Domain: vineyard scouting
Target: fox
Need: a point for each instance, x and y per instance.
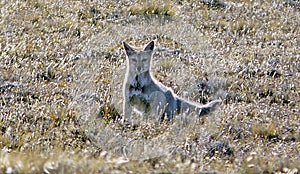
(149, 97)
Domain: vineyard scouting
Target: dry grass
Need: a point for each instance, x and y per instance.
(61, 71)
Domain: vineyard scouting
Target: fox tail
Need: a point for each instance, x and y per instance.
(189, 107)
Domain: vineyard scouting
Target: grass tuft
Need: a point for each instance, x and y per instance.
(153, 8)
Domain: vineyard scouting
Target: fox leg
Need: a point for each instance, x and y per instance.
(126, 107)
(126, 112)
(158, 104)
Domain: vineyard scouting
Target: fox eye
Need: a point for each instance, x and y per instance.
(144, 60)
(134, 60)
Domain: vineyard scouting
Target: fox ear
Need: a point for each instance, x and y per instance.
(128, 49)
(150, 46)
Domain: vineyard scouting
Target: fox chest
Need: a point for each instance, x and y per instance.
(139, 95)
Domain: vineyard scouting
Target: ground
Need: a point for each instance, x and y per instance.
(61, 70)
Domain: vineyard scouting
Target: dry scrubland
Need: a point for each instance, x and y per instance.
(62, 65)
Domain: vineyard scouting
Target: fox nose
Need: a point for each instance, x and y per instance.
(139, 68)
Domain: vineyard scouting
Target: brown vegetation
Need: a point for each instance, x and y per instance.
(62, 66)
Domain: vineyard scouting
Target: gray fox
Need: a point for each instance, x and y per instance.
(147, 95)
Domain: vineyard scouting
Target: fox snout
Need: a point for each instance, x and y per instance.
(139, 69)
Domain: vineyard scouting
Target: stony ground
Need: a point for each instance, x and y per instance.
(62, 67)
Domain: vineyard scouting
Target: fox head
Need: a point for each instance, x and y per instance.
(139, 61)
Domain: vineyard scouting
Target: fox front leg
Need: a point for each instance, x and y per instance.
(126, 110)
